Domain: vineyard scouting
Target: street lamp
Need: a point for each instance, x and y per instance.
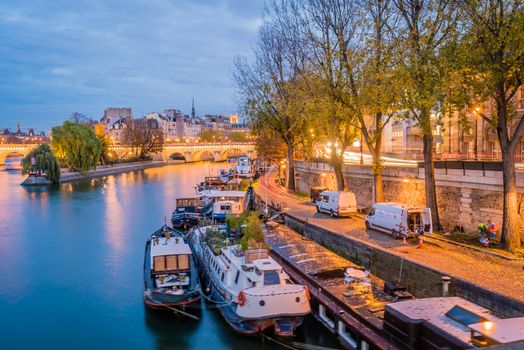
(476, 112)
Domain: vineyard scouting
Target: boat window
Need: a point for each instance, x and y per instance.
(271, 277)
(225, 207)
(463, 316)
(171, 262)
(222, 277)
(183, 262)
(325, 199)
(236, 277)
(160, 263)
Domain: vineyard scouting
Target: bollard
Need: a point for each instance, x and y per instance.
(446, 280)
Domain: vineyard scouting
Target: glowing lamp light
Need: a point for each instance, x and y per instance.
(356, 143)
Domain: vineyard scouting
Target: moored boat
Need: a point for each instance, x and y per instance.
(187, 213)
(13, 163)
(170, 273)
(253, 290)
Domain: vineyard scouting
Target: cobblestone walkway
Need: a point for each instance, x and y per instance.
(497, 274)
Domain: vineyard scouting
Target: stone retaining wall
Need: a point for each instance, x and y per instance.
(419, 279)
(465, 197)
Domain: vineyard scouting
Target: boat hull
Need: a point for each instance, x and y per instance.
(160, 300)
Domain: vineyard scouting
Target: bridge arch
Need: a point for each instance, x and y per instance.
(204, 154)
(178, 156)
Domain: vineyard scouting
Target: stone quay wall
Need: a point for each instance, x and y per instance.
(465, 197)
(420, 279)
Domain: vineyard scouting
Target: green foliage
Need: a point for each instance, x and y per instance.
(211, 136)
(76, 146)
(236, 136)
(244, 184)
(251, 227)
(45, 163)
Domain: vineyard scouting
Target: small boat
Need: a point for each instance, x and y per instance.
(225, 203)
(13, 163)
(170, 274)
(244, 168)
(253, 290)
(187, 213)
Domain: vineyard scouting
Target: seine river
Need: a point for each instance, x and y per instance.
(71, 267)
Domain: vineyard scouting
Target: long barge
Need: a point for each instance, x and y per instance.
(385, 317)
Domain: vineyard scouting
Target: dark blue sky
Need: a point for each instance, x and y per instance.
(62, 56)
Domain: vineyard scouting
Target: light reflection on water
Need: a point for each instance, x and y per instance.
(71, 265)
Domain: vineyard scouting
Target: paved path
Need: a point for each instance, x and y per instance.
(500, 275)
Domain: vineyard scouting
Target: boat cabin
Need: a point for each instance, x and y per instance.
(169, 256)
(449, 322)
(225, 202)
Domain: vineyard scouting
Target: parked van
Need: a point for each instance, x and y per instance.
(399, 220)
(337, 203)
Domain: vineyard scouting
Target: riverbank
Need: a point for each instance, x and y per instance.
(495, 283)
(100, 171)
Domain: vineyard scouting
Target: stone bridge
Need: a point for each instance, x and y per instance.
(182, 151)
(194, 152)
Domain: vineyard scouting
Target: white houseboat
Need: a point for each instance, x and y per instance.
(253, 290)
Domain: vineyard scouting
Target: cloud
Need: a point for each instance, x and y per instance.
(59, 56)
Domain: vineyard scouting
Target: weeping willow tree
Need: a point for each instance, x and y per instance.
(76, 146)
(44, 163)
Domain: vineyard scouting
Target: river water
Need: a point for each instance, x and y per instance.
(71, 267)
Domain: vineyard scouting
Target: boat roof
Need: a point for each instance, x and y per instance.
(433, 311)
(502, 331)
(218, 193)
(266, 264)
(169, 246)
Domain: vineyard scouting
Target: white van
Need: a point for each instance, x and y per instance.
(337, 203)
(399, 220)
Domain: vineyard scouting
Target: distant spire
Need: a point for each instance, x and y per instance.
(193, 114)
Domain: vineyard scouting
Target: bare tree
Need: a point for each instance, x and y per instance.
(265, 86)
(81, 118)
(144, 136)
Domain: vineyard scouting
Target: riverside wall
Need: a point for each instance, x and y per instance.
(465, 196)
(419, 279)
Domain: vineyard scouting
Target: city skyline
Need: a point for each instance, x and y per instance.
(55, 61)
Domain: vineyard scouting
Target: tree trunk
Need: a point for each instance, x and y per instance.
(377, 179)
(290, 174)
(429, 174)
(336, 163)
(339, 175)
(510, 215)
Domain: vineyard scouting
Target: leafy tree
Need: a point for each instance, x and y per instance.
(425, 26)
(210, 135)
(490, 68)
(44, 163)
(76, 146)
(237, 136)
(380, 89)
(270, 147)
(145, 137)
